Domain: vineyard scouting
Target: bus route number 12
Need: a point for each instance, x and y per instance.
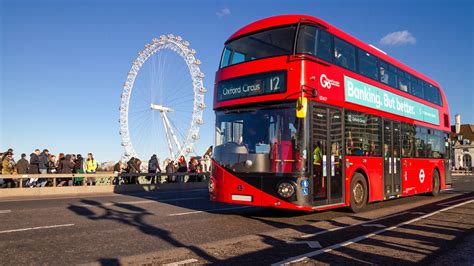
(274, 83)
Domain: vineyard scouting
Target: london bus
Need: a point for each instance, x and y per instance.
(310, 118)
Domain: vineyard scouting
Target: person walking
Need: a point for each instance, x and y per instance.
(170, 170)
(182, 168)
(91, 168)
(22, 165)
(118, 168)
(66, 165)
(78, 169)
(7, 169)
(34, 168)
(52, 165)
(43, 167)
(132, 168)
(154, 168)
(206, 163)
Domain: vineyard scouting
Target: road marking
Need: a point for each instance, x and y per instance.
(140, 202)
(374, 225)
(453, 201)
(363, 237)
(352, 225)
(35, 228)
(181, 262)
(417, 212)
(105, 195)
(210, 210)
(5, 211)
(311, 244)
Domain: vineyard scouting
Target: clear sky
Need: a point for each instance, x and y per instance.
(63, 63)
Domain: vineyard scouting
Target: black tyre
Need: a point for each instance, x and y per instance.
(436, 184)
(359, 192)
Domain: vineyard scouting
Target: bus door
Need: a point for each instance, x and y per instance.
(392, 158)
(326, 155)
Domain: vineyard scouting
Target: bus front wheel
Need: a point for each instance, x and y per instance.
(436, 185)
(359, 193)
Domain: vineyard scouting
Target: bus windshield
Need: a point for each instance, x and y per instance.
(268, 139)
(269, 43)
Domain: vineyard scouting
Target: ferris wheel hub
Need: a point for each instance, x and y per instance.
(160, 108)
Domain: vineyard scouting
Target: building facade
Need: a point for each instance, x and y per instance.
(462, 139)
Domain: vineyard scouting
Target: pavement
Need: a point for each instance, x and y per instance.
(184, 227)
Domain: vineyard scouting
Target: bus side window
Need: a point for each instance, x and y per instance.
(420, 142)
(408, 139)
(324, 46)
(344, 54)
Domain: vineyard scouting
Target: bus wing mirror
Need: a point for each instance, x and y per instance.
(301, 107)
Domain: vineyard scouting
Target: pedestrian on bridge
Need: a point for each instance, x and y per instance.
(91, 168)
(34, 167)
(22, 165)
(7, 169)
(78, 169)
(154, 168)
(66, 165)
(43, 166)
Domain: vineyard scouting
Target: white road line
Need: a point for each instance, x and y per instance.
(210, 210)
(105, 195)
(5, 211)
(453, 201)
(360, 238)
(181, 262)
(352, 225)
(374, 225)
(140, 202)
(35, 228)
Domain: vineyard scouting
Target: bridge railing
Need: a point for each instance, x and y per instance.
(459, 172)
(113, 179)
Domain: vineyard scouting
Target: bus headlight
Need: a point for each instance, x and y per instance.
(286, 190)
(211, 186)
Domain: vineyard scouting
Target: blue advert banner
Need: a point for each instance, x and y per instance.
(367, 95)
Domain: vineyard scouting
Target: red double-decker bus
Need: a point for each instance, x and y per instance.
(310, 118)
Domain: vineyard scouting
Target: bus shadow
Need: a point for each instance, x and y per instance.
(378, 250)
(133, 216)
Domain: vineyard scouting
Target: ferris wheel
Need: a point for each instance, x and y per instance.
(161, 110)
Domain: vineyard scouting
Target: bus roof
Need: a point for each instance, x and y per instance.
(281, 20)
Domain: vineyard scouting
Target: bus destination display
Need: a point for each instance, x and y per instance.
(252, 85)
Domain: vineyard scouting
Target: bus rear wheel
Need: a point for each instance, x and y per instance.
(359, 193)
(436, 184)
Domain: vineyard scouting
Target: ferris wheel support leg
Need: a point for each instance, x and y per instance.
(172, 132)
(168, 138)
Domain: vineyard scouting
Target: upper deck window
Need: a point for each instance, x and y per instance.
(367, 64)
(344, 54)
(269, 43)
(314, 41)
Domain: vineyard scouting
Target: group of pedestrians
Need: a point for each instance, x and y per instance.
(43, 162)
(173, 171)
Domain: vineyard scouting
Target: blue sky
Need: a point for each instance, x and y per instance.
(63, 63)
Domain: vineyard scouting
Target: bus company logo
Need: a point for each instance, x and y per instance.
(327, 83)
(422, 176)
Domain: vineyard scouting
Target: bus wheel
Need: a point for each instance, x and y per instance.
(435, 188)
(358, 192)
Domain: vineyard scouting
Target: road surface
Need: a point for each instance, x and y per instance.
(184, 227)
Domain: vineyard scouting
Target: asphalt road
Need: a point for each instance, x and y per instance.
(184, 227)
